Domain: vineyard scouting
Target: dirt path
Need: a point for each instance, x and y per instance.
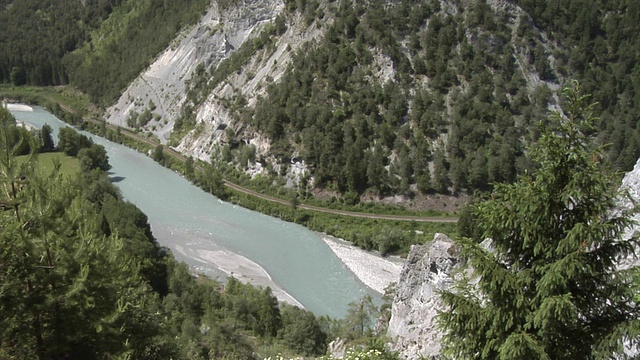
(169, 151)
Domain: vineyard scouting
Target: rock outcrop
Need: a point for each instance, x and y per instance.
(428, 269)
(630, 188)
(166, 81)
(432, 267)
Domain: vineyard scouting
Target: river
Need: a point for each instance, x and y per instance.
(217, 238)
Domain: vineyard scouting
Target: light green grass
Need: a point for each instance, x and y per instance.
(69, 166)
(47, 95)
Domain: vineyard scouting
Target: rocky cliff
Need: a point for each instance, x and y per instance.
(163, 86)
(413, 327)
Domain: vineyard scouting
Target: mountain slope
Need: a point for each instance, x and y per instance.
(365, 98)
(438, 103)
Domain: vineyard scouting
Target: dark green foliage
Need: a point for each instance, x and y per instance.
(158, 154)
(602, 43)
(359, 132)
(36, 34)
(93, 157)
(16, 138)
(257, 308)
(46, 139)
(68, 288)
(57, 42)
(211, 181)
(71, 142)
(18, 76)
(467, 87)
(550, 288)
(82, 277)
(302, 331)
(213, 321)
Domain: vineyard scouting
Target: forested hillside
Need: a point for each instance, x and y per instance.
(36, 35)
(406, 97)
(601, 48)
(468, 84)
(98, 45)
(426, 96)
(410, 94)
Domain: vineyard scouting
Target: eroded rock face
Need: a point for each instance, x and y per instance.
(413, 327)
(166, 81)
(631, 187)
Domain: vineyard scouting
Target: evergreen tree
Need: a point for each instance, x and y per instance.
(94, 157)
(549, 288)
(158, 154)
(302, 331)
(360, 317)
(46, 139)
(440, 173)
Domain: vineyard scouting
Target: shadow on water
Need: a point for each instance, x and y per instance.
(116, 179)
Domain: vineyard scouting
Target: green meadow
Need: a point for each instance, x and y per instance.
(69, 166)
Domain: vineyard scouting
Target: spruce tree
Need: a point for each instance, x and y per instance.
(549, 285)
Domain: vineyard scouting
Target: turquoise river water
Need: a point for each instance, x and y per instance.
(198, 227)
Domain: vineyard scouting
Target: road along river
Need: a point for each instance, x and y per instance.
(219, 239)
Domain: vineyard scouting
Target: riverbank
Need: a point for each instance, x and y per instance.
(207, 234)
(241, 268)
(372, 271)
(375, 271)
(19, 107)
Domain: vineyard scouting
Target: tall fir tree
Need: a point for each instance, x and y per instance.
(550, 286)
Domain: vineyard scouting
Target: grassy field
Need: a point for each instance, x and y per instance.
(62, 94)
(69, 166)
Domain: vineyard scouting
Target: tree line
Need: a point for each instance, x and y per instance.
(100, 46)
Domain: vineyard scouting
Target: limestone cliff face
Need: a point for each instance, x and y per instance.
(631, 188)
(163, 87)
(413, 327)
(166, 81)
(266, 66)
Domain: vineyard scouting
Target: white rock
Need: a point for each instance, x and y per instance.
(413, 326)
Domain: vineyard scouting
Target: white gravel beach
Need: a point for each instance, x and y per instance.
(240, 268)
(373, 270)
(19, 107)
